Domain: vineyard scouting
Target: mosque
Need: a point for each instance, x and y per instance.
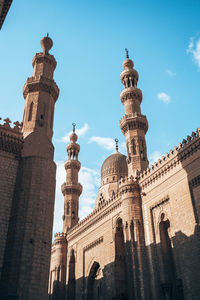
(142, 239)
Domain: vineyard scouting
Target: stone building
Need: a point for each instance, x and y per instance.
(142, 239)
(27, 185)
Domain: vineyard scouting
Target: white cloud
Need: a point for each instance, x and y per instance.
(164, 97)
(171, 73)
(194, 49)
(80, 132)
(90, 181)
(106, 143)
(153, 157)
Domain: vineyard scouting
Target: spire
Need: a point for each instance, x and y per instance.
(116, 144)
(127, 56)
(134, 125)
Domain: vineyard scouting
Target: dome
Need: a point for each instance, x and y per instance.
(113, 168)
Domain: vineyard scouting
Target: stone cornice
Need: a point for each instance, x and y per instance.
(41, 83)
(181, 153)
(134, 121)
(131, 93)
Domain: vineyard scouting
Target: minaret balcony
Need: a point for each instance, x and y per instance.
(131, 93)
(73, 188)
(41, 83)
(133, 121)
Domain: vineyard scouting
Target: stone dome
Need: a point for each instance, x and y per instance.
(114, 167)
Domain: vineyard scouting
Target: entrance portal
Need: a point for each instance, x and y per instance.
(94, 287)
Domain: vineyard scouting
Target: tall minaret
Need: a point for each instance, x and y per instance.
(28, 246)
(71, 189)
(134, 125)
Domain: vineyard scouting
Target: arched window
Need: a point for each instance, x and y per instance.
(67, 208)
(71, 281)
(120, 264)
(30, 112)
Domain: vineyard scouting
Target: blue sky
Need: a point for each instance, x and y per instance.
(163, 38)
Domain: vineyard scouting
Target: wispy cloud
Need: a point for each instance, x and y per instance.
(171, 73)
(90, 180)
(164, 97)
(108, 143)
(80, 132)
(194, 49)
(104, 142)
(154, 156)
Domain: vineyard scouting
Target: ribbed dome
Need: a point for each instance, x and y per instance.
(114, 167)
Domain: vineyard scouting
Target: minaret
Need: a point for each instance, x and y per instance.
(71, 189)
(28, 248)
(134, 125)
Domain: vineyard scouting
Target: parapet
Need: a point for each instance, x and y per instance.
(11, 138)
(179, 153)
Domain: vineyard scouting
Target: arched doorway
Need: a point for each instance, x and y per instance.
(94, 286)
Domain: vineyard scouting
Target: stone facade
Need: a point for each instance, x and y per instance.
(142, 240)
(27, 185)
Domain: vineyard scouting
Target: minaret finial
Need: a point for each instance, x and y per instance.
(116, 146)
(127, 56)
(74, 126)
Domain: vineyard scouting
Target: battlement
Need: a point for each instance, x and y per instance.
(11, 138)
(59, 238)
(180, 152)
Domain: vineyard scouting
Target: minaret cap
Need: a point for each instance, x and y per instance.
(128, 63)
(73, 137)
(46, 44)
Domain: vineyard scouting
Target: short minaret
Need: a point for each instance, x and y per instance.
(134, 125)
(71, 189)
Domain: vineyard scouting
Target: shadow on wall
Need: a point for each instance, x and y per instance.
(174, 270)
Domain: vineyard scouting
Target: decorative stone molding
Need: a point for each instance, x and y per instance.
(41, 83)
(93, 244)
(170, 160)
